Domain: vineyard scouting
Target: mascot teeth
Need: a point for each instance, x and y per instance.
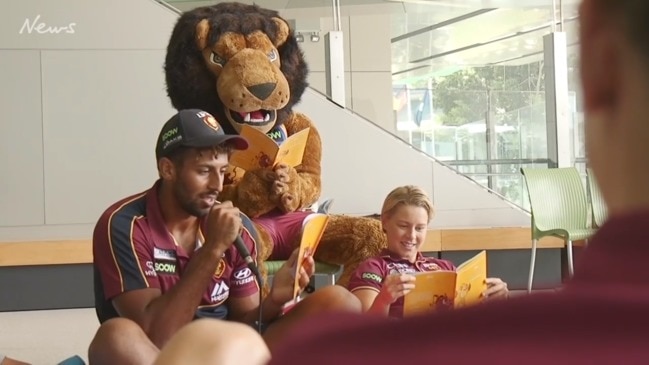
(257, 116)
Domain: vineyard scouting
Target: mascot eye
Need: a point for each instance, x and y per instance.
(272, 55)
(216, 59)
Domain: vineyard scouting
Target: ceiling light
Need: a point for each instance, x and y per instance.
(299, 37)
(315, 37)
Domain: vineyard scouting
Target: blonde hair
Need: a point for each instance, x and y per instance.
(407, 195)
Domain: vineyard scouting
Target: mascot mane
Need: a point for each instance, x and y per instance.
(192, 81)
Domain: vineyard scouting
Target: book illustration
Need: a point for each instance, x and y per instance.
(312, 229)
(439, 290)
(471, 280)
(233, 175)
(264, 152)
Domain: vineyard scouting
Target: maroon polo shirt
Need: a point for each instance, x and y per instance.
(371, 273)
(133, 250)
(601, 316)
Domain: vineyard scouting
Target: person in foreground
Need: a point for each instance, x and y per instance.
(164, 257)
(601, 316)
(381, 282)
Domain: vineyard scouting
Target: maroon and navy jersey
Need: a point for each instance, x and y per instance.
(371, 273)
(133, 249)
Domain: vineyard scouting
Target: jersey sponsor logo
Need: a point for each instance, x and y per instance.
(160, 254)
(430, 266)
(397, 265)
(401, 268)
(164, 267)
(243, 274)
(220, 268)
(150, 269)
(277, 134)
(372, 276)
(244, 281)
(220, 292)
(164, 261)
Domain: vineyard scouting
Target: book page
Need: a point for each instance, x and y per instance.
(434, 290)
(261, 152)
(312, 229)
(471, 280)
(291, 150)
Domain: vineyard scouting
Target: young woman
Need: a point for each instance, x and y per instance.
(381, 282)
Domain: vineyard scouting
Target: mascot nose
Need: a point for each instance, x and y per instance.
(262, 91)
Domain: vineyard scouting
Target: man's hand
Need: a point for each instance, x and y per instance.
(223, 226)
(283, 281)
(496, 289)
(394, 287)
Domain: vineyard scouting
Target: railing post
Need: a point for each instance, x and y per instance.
(335, 59)
(555, 52)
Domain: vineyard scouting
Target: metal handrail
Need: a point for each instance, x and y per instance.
(497, 162)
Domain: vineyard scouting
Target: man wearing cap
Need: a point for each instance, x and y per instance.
(164, 257)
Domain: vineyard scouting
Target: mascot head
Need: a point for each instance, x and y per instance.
(239, 62)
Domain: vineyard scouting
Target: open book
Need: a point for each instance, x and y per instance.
(437, 290)
(312, 229)
(264, 152)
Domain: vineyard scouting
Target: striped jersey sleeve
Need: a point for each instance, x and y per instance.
(368, 275)
(120, 248)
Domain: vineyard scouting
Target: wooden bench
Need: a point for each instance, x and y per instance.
(65, 252)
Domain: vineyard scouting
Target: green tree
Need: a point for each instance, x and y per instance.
(467, 95)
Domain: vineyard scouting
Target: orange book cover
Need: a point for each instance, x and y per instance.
(312, 229)
(436, 290)
(264, 152)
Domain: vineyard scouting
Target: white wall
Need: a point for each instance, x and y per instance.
(367, 52)
(81, 111)
(82, 97)
(368, 75)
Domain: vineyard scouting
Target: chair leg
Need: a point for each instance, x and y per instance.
(333, 279)
(570, 264)
(530, 279)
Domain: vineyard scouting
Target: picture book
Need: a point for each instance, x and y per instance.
(435, 290)
(312, 229)
(264, 152)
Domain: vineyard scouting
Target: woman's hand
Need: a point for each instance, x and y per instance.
(496, 289)
(394, 287)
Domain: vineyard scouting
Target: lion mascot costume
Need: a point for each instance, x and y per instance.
(242, 64)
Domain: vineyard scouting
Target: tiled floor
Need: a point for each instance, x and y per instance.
(47, 337)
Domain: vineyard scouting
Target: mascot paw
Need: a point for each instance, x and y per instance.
(279, 189)
(283, 172)
(289, 203)
(284, 187)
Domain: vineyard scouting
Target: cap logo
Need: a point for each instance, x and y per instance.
(169, 134)
(209, 120)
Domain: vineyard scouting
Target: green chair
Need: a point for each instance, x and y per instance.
(598, 207)
(559, 208)
(321, 268)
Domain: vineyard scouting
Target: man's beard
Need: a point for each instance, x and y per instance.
(190, 206)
